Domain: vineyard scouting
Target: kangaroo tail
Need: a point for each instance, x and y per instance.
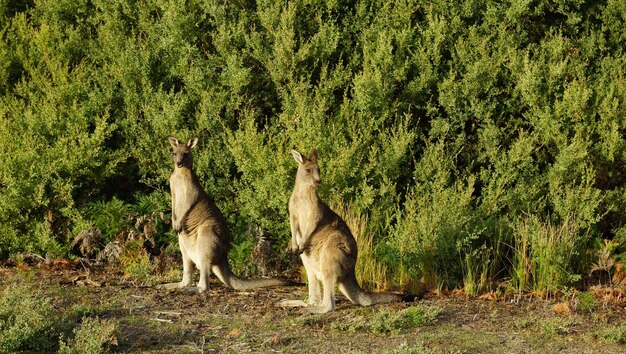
(351, 289)
(226, 275)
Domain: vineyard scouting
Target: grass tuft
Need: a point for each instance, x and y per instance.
(543, 253)
(389, 320)
(401, 321)
(370, 272)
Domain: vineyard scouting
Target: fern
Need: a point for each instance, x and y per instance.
(111, 217)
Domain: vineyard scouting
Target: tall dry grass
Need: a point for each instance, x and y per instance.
(543, 254)
(370, 272)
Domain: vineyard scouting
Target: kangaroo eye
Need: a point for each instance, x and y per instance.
(308, 170)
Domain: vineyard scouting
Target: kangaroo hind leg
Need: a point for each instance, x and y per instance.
(187, 274)
(329, 282)
(315, 292)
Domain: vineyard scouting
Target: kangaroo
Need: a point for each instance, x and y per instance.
(203, 236)
(326, 246)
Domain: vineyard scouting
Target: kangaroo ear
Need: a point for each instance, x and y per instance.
(297, 156)
(192, 142)
(173, 141)
(313, 155)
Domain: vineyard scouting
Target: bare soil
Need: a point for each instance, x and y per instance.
(223, 320)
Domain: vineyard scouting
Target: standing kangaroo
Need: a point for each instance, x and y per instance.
(203, 236)
(325, 243)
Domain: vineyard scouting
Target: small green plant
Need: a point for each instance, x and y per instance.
(387, 320)
(616, 335)
(351, 324)
(482, 257)
(311, 321)
(606, 258)
(415, 349)
(478, 265)
(399, 321)
(557, 327)
(522, 264)
(136, 262)
(27, 321)
(80, 310)
(240, 259)
(586, 302)
(524, 323)
(93, 336)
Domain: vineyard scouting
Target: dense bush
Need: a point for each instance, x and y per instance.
(29, 322)
(26, 321)
(94, 335)
(453, 126)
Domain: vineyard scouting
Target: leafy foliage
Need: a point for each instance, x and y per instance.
(92, 336)
(445, 124)
(29, 322)
(26, 321)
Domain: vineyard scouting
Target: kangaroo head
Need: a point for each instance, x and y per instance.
(308, 170)
(181, 153)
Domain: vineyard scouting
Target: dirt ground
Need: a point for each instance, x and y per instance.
(223, 320)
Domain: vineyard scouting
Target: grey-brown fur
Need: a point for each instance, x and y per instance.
(203, 234)
(328, 249)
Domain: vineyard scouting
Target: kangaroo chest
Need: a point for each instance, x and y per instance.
(307, 212)
(184, 192)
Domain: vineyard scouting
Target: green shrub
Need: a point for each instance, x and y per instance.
(437, 220)
(27, 321)
(94, 335)
(434, 119)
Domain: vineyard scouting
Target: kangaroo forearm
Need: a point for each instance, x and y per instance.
(303, 242)
(294, 236)
(294, 233)
(181, 216)
(174, 213)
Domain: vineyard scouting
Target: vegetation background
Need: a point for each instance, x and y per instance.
(472, 142)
